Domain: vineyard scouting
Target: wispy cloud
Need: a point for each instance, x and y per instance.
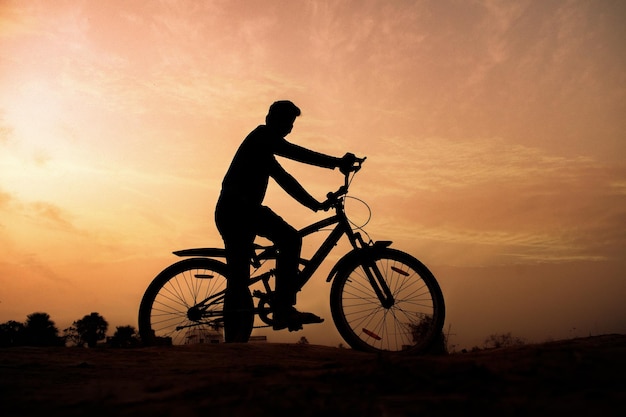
(5, 199)
(40, 214)
(52, 215)
(5, 130)
(520, 202)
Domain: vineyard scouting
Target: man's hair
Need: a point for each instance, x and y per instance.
(281, 112)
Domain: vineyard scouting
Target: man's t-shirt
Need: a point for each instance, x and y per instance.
(255, 162)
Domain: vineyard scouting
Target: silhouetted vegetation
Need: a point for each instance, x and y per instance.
(12, 334)
(38, 330)
(89, 330)
(124, 337)
(41, 331)
(421, 330)
(498, 340)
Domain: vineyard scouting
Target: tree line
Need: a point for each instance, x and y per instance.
(40, 330)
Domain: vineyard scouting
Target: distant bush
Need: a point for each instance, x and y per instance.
(12, 334)
(88, 330)
(497, 340)
(419, 331)
(439, 345)
(38, 330)
(124, 337)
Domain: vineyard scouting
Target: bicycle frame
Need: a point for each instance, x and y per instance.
(359, 248)
(341, 227)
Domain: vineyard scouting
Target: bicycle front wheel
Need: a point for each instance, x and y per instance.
(410, 321)
(184, 304)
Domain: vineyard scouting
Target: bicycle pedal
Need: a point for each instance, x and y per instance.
(295, 327)
(292, 326)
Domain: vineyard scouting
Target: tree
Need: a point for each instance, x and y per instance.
(124, 337)
(90, 329)
(303, 341)
(71, 336)
(39, 330)
(12, 334)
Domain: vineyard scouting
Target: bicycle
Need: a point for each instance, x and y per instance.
(381, 299)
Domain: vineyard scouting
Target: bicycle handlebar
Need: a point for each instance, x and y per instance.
(357, 163)
(332, 197)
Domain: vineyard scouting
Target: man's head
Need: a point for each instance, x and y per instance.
(281, 116)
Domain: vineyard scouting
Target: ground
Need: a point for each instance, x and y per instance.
(578, 377)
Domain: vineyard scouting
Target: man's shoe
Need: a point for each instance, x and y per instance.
(293, 319)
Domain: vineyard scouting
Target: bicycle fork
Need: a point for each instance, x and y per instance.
(374, 276)
(379, 284)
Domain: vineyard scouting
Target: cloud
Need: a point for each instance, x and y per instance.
(6, 131)
(40, 268)
(52, 215)
(18, 21)
(34, 236)
(517, 202)
(39, 214)
(5, 200)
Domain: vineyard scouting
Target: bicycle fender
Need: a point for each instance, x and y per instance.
(207, 252)
(203, 252)
(354, 256)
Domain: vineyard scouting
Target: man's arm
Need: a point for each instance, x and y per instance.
(301, 154)
(293, 187)
(307, 156)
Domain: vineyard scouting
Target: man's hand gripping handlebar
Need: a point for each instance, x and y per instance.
(355, 165)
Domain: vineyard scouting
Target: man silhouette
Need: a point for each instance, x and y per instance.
(240, 216)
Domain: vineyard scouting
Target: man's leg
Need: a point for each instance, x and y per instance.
(289, 244)
(237, 232)
(238, 303)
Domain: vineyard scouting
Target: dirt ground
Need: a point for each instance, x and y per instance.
(579, 377)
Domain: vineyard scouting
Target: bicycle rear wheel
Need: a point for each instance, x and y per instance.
(184, 304)
(412, 322)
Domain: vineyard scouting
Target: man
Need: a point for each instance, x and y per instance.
(240, 216)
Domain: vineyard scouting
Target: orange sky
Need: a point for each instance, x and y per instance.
(494, 133)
